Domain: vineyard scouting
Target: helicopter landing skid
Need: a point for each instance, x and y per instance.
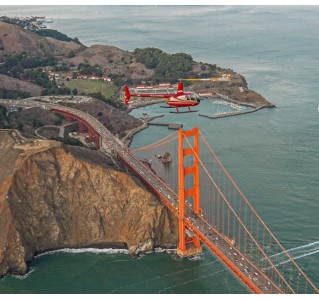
(183, 112)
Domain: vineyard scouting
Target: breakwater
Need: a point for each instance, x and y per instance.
(236, 113)
(169, 125)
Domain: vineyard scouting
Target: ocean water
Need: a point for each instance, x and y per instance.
(272, 154)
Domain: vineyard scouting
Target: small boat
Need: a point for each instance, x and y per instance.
(166, 158)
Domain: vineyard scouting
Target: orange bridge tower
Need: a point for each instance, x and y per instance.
(189, 243)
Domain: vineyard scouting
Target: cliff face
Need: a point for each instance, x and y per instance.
(49, 199)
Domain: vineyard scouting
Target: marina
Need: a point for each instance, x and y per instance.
(226, 103)
(229, 114)
(149, 120)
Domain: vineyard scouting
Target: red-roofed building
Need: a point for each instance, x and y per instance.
(164, 84)
(107, 78)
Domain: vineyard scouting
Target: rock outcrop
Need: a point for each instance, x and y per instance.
(236, 88)
(50, 199)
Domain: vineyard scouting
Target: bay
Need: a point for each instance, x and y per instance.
(272, 154)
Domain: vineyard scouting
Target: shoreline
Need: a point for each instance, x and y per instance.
(128, 138)
(108, 248)
(143, 104)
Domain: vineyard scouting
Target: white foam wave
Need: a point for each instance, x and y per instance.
(86, 250)
(21, 277)
(105, 251)
(196, 257)
(162, 250)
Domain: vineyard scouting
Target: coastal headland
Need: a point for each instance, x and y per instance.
(54, 196)
(63, 61)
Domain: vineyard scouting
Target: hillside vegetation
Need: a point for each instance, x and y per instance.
(57, 35)
(168, 67)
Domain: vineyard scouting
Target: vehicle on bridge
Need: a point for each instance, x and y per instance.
(179, 99)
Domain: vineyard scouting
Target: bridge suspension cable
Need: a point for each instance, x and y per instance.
(270, 246)
(229, 215)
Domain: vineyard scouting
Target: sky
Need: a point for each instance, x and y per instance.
(163, 2)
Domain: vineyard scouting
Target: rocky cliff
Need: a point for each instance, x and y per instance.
(50, 199)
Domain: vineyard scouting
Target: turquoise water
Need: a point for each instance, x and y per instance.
(122, 274)
(272, 154)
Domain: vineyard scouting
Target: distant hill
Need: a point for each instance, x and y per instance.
(11, 83)
(125, 64)
(14, 39)
(124, 67)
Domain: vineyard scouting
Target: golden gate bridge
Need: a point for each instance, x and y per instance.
(192, 182)
(212, 209)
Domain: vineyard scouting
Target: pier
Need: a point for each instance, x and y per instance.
(236, 101)
(169, 125)
(150, 118)
(236, 113)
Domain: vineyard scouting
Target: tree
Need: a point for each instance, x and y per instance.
(20, 126)
(36, 123)
(3, 110)
(76, 40)
(150, 57)
(71, 54)
(167, 66)
(74, 91)
(57, 122)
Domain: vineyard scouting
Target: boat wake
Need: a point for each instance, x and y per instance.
(189, 281)
(295, 253)
(134, 284)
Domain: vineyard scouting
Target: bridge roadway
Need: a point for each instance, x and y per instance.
(249, 274)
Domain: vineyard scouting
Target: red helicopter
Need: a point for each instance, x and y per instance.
(180, 99)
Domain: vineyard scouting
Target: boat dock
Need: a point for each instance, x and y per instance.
(236, 101)
(236, 113)
(169, 125)
(149, 121)
(147, 118)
